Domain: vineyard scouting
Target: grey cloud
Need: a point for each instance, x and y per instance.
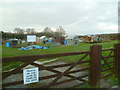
(74, 17)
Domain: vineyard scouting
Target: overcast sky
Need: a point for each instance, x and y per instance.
(88, 17)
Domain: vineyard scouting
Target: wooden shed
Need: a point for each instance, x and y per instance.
(58, 39)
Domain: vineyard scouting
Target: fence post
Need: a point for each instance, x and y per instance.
(117, 60)
(95, 65)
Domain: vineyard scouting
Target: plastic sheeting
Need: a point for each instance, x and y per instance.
(33, 47)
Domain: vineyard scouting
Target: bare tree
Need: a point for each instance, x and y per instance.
(60, 31)
(19, 31)
(16, 30)
(30, 31)
(47, 30)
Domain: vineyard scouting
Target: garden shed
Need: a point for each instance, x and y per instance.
(44, 39)
(58, 39)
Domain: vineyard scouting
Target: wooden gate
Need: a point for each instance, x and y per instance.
(97, 63)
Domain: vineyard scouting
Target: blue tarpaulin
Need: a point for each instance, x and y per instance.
(33, 47)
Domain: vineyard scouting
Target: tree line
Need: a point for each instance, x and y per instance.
(20, 33)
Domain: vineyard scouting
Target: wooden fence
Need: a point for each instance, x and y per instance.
(96, 66)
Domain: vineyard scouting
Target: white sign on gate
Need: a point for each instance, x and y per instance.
(30, 75)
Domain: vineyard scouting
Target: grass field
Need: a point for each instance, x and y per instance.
(9, 52)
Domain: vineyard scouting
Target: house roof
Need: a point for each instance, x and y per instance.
(42, 37)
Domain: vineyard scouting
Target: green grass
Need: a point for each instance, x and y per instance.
(8, 66)
(10, 52)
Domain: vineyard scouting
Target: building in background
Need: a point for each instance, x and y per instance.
(109, 37)
(58, 39)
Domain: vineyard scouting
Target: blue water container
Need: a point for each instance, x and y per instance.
(65, 42)
(49, 41)
(8, 44)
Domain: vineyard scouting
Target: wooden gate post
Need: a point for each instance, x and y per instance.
(95, 65)
(117, 60)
